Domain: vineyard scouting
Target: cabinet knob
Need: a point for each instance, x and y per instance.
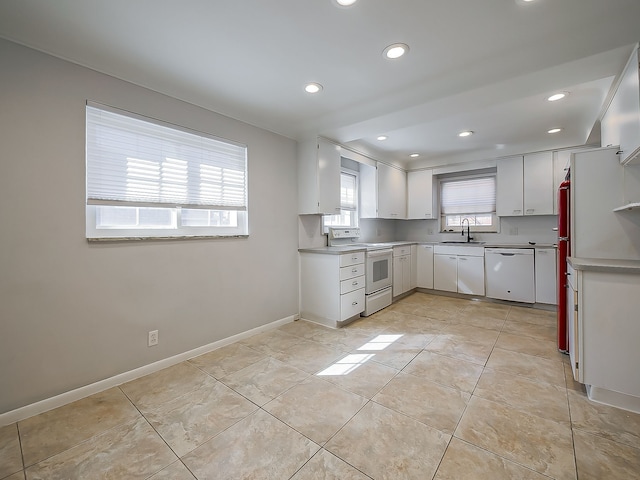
(354, 303)
(354, 283)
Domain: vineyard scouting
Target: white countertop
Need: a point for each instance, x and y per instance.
(605, 265)
(361, 248)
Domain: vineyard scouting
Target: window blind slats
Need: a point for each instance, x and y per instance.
(134, 162)
(477, 195)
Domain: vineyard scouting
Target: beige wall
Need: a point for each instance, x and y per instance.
(73, 313)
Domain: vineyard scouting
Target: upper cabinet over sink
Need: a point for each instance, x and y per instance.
(525, 185)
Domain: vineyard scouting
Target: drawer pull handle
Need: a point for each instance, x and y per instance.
(354, 258)
(354, 270)
(354, 283)
(354, 303)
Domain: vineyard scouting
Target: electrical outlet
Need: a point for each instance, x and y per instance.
(153, 338)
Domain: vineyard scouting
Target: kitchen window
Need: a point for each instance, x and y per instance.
(348, 202)
(470, 197)
(149, 179)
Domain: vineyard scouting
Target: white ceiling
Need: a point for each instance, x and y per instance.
(485, 66)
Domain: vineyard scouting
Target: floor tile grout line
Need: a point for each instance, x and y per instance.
(24, 468)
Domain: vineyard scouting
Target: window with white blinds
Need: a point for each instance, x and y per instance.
(348, 216)
(471, 198)
(146, 178)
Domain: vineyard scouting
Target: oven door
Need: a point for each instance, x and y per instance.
(378, 270)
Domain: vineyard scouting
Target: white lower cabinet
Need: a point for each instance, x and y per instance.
(331, 287)
(445, 272)
(402, 270)
(470, 275)
(546, 278)
(602, 318)
(424, 266)
(459, 269)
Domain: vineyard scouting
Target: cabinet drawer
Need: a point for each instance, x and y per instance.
(351, 284)
(351, 304)
(351, 271)
(351, 259)
(403, 250)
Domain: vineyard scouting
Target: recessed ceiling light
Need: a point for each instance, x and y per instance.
(466, 133)
(557, 96)
(414, 155)
(554, 130)
(345, 3)
(382, 137)
(395, 51)
(312, 87)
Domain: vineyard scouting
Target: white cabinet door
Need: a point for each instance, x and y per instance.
(424, 266)
(318, 177)
(397, 276)
(445, 272)
(561, 161)
(401, 274)
(546, 278)
(414, 267)
(510, 187)
(392, 192)
(538, 184)
(470, 275)
(420, 194)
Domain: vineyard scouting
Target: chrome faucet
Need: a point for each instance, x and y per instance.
(469, 237)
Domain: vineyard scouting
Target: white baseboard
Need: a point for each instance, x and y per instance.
(613, 399)
(47, 404)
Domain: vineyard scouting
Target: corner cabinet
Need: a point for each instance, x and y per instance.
(383, 192)
(331, 287)
(420, 194)
(318, 177)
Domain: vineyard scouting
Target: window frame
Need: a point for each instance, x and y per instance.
(175, 229)
(444, 228)
(355, 209)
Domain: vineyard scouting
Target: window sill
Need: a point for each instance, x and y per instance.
(182, 237)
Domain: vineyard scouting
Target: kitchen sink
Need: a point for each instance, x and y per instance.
(458, 242)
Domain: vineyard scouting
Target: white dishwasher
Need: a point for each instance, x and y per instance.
(510, 274)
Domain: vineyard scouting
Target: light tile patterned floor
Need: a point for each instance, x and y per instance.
(432, 387)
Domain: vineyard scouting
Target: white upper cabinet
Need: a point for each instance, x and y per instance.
(318, 177)
(383, 192)
(420, 194)
(392, 192)
(525, 185)
(621, 122)
(538, 184)
(509, 194)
